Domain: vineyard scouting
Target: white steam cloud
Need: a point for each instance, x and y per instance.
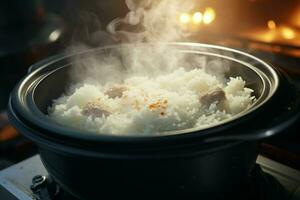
(154, 22)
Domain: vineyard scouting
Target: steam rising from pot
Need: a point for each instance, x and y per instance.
(149, 85)
(148, 21)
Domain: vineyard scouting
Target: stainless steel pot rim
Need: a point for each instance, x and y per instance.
(43, 122)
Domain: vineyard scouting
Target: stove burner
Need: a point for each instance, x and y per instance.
(29, 180)
(44, 188)
(259, 186)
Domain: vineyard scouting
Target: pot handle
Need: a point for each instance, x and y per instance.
(256, 134)
(288, 116)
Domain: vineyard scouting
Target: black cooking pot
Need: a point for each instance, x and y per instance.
(182, 164)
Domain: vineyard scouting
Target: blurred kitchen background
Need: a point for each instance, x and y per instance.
(35, 29)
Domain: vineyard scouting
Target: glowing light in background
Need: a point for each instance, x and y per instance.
(197, 17)
(209, 15)
(288, 33)
(272, 25)
(54, 35)
(192, 21)
(185, 18)
(267, 37)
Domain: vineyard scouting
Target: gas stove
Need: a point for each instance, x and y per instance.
(28, 180)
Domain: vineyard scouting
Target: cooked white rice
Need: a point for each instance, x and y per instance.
(150, 106)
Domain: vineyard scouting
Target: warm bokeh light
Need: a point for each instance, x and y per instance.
(271, 24)
(209, 15)
(197, 17)
(54, 35)
(267, 36)
(185, 18)
(288, 33)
